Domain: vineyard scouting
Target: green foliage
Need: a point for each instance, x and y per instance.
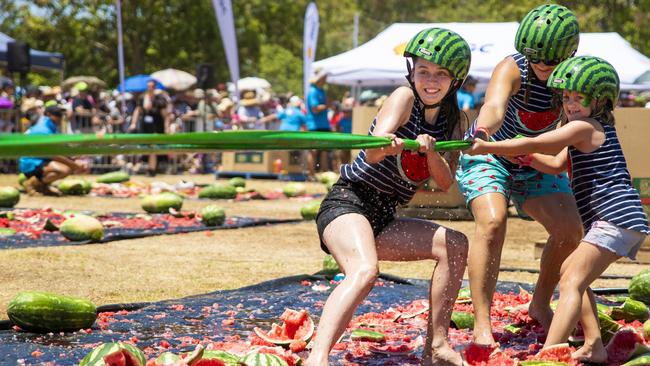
(181, 34)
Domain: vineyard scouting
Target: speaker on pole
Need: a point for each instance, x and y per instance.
(205, 76)
(18, 59)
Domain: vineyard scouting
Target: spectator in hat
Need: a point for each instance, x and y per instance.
(465, 95)
(42, 172)
(317, 120)
(249, 112)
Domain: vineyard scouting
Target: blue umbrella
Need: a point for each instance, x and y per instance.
(138, 83)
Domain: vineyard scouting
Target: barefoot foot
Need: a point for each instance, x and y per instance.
(442, 356)
(591, 353)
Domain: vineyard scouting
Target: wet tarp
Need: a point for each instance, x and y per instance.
(226, 316)
(127, 226)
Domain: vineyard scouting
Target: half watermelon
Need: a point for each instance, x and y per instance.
(296, 326)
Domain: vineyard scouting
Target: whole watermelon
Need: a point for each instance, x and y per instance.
(161, 203)
(97, 356)
(81, 228)
(9, 196)
(218, 191)
(330, 266)
(294, 189)
(227, 358)
(640, 287)
(310, 210)
(45, 312)
(213, 215)
(237, 182)
(21, 178)
(114, 177)
(74, 187)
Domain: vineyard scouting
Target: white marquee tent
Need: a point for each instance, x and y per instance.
(380, 61)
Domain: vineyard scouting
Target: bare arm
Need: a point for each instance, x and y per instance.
(550, 164)
(504, 83)
(576, 133)
(393, 115)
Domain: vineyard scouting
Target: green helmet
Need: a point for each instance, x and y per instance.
(592, 76)
(441, 47)
(548, 33)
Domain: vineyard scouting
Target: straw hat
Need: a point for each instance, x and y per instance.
(30, 103)
(225, 104)
(318, 75)
(249, 98)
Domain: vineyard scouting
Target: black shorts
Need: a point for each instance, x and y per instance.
(38, 172)
(352, 197)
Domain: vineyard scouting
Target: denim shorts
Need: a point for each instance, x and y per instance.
(352, 197)
(623, 242)
(481, 174)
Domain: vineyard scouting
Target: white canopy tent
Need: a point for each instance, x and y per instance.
(379, 62)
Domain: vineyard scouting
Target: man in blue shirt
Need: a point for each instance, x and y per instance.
(42, 172)
(317, 118)
(292, 118)
(465, 95)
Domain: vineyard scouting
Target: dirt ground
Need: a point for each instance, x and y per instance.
(173, 266)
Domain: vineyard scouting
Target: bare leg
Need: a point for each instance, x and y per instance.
(54, 171)
(490, 214)
(153, 164)
(580, 269)
(558, 214)
(593, 349)
(427, 240)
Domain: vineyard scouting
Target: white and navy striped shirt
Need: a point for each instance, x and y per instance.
(530, 115)
(602, 186)
(385, 176)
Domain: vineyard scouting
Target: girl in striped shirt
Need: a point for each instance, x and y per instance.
(356, 220)
(610, 208)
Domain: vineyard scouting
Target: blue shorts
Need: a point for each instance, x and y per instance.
(623, 242)
(481, 174)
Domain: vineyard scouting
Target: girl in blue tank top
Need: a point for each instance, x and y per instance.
(609, 206)
(356, 221)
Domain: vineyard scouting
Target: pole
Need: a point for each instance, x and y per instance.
(120, 55)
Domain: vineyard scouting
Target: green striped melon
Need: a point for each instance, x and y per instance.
(46, 312)
(97, 356)
(263, 359)
(237, 182)
(9, 196)
(630, 311)
(639, 288)
(218, 191)
(81, 228)
(294, 189)
(74, 187)
(21, 178)
(114, 177)
(161, 203)
(462, 320)
(367, 335)
(213, 215)
(228, 358)
(310, 210)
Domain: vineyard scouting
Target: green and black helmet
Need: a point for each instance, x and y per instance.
(441, 47)
(549, 33)
(591, 76)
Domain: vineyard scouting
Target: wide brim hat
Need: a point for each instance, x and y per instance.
(249, 99)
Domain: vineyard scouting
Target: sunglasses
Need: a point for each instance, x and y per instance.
(547, 63)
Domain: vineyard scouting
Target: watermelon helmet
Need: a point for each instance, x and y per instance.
(442, 47)
(549, 33)
(591, 76)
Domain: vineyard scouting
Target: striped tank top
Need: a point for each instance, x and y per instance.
(602, 186)
(398, 176)
(527, 115)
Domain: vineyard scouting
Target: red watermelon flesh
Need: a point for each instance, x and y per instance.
(558, 352)
(296, 325)
(414, 166)
(120, 358)
(293, 320)
(621, 347)
(476, 354)
(210, 362)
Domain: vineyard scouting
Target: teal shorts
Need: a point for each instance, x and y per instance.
(481, 174)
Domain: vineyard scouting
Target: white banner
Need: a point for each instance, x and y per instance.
(223, 10)
(310, 39)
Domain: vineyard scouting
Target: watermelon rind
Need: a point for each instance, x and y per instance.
(262, 359)
(5, 231)
(542, 363)
(646, 330)
(630, 311)
(608, 327)
(639, 361)
(74, 187)
(96, 356)
(462, 320)
(237, 182)
(218, 191)
(639, 288)
(285, 342)
(161, 203)
(330, 266)
(310, 210)
(114, 177)
(464, 296)
(39, 311)
(167, 358)
(367, 335)
(82, 228)
(9, 196)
